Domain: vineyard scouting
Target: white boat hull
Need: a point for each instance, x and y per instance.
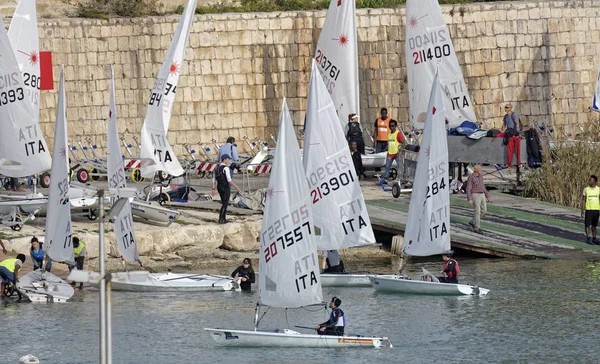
(172, 282)
(292, 339)
(48, 288)
(345, 280)
(152, 211)
(395, 284)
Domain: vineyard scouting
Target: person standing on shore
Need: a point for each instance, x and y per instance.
(382, 129)
(79, 253)
(477, 195)
(590, 209)
(222, 181)
(354, 132)
(395, 141)
(37, 255)
(357, 161)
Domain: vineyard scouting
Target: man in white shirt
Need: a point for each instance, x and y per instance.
(222, 181)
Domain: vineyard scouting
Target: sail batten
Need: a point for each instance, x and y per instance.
(288, 256)
(428, 46)
(124, 232)
(155, 144)
(338, 204)
(337, 57)
(428, 226)
(58, 218)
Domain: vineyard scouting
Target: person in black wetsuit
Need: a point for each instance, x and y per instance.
(337, 320)
(222, 180)
(451, 269)
(244, 274)
(357, 160)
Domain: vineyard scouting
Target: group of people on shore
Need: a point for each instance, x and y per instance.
(10, 267)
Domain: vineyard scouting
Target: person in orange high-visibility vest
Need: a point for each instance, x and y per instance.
(382, 128)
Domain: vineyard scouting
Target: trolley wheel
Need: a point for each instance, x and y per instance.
(164, 198)
(10, 289)
(6, 183)
(209, 175)
(163, 176)
(91, 176)
(16, 227)
(393, 173)
(83, 176)
(136, 175)
(45, 180)
(202, 174)
(396, 189)
(92, 214)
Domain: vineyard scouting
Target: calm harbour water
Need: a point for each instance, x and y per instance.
(537, 312)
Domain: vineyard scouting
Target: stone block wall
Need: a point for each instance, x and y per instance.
(540, 56)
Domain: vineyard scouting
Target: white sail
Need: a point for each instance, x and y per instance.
(124, 232)
(428, 226)
(428, 46)
(288, 256)
(23, 36)
(58, 217)
(596, 100)
(23, 149)
(338, 204)
(156, 124)
(337, 57)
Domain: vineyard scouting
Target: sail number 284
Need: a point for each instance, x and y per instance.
(435, 188)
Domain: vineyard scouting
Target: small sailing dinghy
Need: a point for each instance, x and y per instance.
(288, 257)
(142, 281)
(40, 286)
(337, 201)
(428, 226)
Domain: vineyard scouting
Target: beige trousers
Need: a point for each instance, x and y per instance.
(480, 204)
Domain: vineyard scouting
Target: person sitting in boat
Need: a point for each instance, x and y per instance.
(337, 320)
(79, 254)
(244, 275)
(37, 255)
(451, 269)
(331, 262)
(9, 271)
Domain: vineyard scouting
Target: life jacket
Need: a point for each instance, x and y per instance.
(341, 320)
(393, 143)
(455, 272)
(383, 128)
(592, 195)
(77, 251)
(220, 176)
(354, 130)
(9, 264)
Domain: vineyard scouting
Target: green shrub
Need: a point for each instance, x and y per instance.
(102, 9)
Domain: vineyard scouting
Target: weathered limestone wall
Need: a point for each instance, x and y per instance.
(541, 56)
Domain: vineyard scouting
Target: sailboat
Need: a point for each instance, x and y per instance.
(155, 145)
(335, 193)
(288, 257)
(40, 286)
(125, 233)
(428, 226)
(428, 46)
(596, 101)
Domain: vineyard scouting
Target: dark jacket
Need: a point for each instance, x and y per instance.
(247, 273)
(534, 146)
(358, 165)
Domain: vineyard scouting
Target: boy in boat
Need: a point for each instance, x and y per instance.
(222, 181)
(337, 320)
(244, 275)
(451, 269)
(331, 262)
(9, 271)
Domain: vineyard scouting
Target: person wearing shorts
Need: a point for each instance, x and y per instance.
(590, 209)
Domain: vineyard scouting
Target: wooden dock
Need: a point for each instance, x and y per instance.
(514, 226)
